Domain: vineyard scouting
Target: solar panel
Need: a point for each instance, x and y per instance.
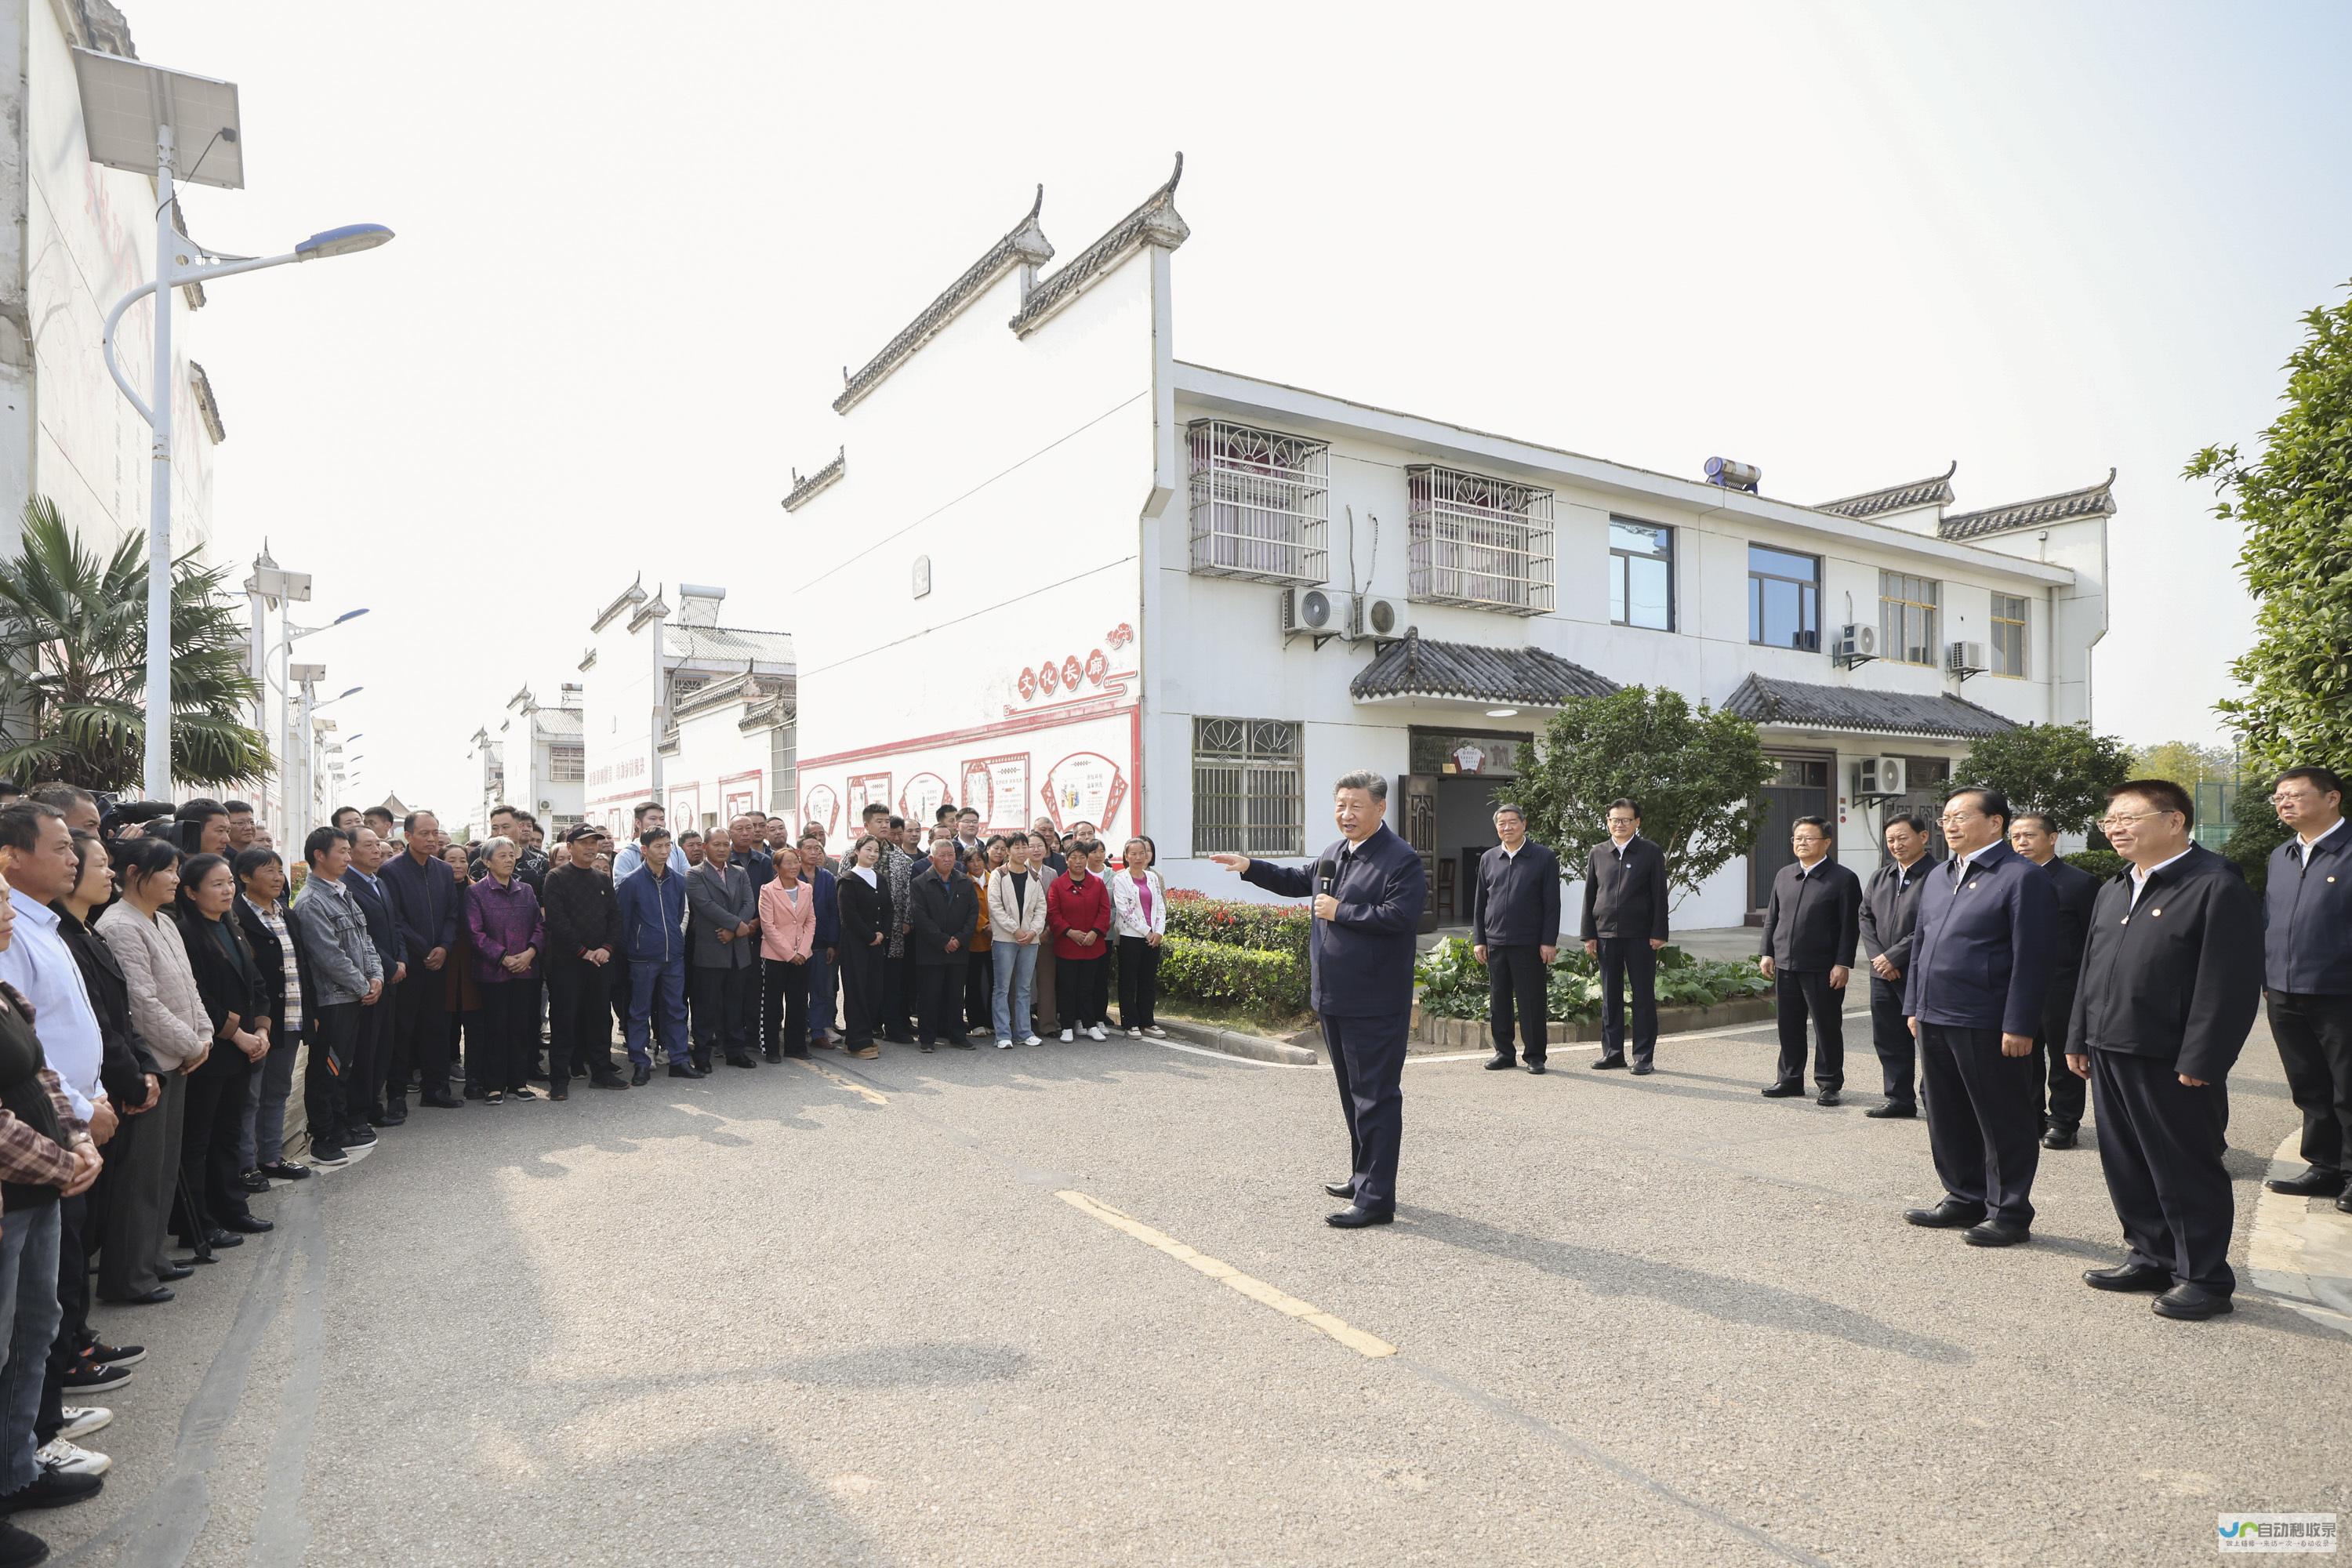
(123, 102)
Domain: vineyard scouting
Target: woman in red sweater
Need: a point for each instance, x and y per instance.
(1077, 917)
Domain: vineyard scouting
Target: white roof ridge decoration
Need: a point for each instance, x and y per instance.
(804, 491)
(1155, 222)
(1936, 490)
(1023, 245)
(2090, 501)
(635, 593)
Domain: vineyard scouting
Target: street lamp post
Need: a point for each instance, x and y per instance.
(133, 117)
(289, 633)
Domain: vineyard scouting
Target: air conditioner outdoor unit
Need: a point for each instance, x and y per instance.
(1857, 640)
(1308, 610)
(1878, 775)
(1369, 615)
(1964, 659)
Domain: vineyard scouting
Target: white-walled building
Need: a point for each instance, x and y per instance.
(1094, 581)
(533, 760)
(680, 708)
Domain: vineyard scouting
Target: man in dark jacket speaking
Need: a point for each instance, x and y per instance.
(1369, 889)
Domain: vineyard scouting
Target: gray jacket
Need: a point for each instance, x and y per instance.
(721, 901)
(332, 933)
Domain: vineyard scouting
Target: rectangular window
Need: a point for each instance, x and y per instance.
(1784, 598)
(566, 764)
(1641, 574)
(1478, 542)
(784, 769)
(1261, 502)
(2010, 619)
(1249, 787)
(1906, 618)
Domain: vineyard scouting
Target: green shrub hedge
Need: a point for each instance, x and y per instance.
(2099, 863)
(1228, 972)
(1232, 922)
(1454, 982)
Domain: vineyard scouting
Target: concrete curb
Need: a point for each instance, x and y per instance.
(1256, 1048)
(1432, 1033)
(2300, 1249)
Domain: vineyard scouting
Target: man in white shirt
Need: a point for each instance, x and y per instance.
(38, 963)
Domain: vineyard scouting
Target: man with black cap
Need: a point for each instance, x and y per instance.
(583, 932)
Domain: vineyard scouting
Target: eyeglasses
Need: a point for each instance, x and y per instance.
(2109, 824)
(1957, 819)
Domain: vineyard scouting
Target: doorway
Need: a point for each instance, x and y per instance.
(1802, 788)
(1457, 776)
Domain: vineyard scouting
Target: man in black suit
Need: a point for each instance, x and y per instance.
(1369, 890)
(1515, 931)
(1979, 970)
(379, 901)
(2170, 982)
(943, 911)
(1810, 924)
(2308, 902)
(1624, 926)
(1890, 909)
(2031, 836)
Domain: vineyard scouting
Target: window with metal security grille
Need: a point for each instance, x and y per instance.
(1261, 503)
(1485, 543)
(1249, 787)
(2012, 619)
(1907, 610)
(1784, 600)
(1641, 574)
(783, 770)
(566, 764)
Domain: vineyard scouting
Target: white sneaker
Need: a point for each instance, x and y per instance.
(1005, 1044)
(1153, 1031)
(62, 1456)
(1094, 1032)
(1067, 1036)
(1135, 1034)
(81, 1420)
(1033, 1041)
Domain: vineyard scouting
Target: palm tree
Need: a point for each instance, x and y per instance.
(73, 665)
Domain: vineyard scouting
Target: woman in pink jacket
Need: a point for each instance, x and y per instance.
(787, 932)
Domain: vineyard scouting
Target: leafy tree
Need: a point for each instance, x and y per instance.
(1698, 772)
(2063, 770)
(2293, 507)
(2184, 763)
(2255, 830)
(73, 665)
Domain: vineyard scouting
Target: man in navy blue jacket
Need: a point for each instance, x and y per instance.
(653, 932)
(1515, 931)
(372, 1056)
(1369, 889)
(1980, 973)
(425, 892)
(2307, 969)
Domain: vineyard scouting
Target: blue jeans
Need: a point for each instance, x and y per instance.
(654, 984)
(263, 1133)
(28, 1326)
(1016, 979)
(822, 1014)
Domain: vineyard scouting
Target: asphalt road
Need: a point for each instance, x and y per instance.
(890, 1312)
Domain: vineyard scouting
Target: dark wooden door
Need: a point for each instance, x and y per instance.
(1802, 788)
(1417, 826)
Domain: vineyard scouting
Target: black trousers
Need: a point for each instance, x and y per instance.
(724, 1000)
(1807, 993)
(1368, 1060)
(783, 1007)
(1890, 1037)
(322, 1079)
(503, 1036)
(939, 999)
(862, 986)
(897, 996)
(371, 1057)
(1081, 992)
(978, 989)
(1984, 1124)
(1624, 958)
(2315, 1045)
(208, 1139)
(1516, 995)
(1139, 982)
(580, 1016)
(420, 1034)
(2161, 1145)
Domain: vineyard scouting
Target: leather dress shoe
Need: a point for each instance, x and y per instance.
(154, 1298)
(1355, 1217)
(1643, 1070)
(2344, 1204)
(1828, 1097)
(1893, 1110)
(1782, 1090)
(1945, 1215)
(171, 1271)
(1501, 1062)
(743, 1062)
(441, 1101)
(2191, 1303)
(223, 1238)
(609, 1080)
(2129, 1277)
(2313, 1183)
(686, 1069)
(1603, 1063)
(1996, 1233)
(249, 1226)
(2058, 1138)
(638, 1075)
(1341, 1189)
(1536, 1067)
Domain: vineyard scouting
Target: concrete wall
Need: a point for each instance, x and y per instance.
(718, 770)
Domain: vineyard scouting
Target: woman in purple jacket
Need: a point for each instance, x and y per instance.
(503, 919)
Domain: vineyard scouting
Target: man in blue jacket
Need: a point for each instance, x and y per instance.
(424, 890)
(1369, 889)
(1980, 973)
(2307, 969)
(372, 1056)
(653, 930)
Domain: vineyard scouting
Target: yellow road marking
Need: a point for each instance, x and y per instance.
(1226, 1274)
(871, 1097)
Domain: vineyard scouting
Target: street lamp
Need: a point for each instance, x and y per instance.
(289, 635)
(133, 115)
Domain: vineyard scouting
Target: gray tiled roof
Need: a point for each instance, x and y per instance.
(727, 645)
(1155, 222)
(1417, 666)
(1935, 491)
(805, 488)
(2090, 501)
(1025, 242)
(1766, 701)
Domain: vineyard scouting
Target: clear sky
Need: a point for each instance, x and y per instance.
(1849, 243)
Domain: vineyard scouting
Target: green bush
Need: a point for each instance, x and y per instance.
(2100, 863)
(1227, 971)
(2255, 830)
(1233, 923)
(1452, 982)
